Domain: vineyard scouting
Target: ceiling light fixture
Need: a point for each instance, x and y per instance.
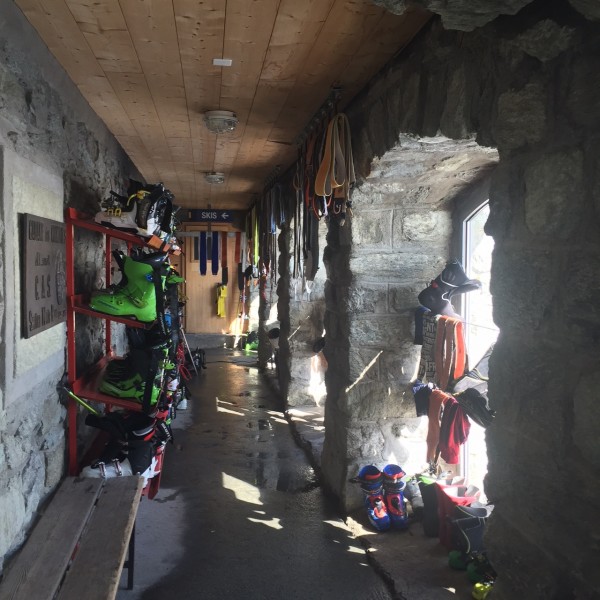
(220, 121)
(222, 62)
(214, 177)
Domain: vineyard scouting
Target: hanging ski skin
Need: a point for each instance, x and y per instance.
(202, 241)
(215, 253)
(224, 265)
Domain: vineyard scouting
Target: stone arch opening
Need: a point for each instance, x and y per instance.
(402, 235)
(523, 84)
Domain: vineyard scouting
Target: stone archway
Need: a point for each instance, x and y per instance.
(401, 238)
(526, 85)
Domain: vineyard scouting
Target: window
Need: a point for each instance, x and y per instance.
(480, 330)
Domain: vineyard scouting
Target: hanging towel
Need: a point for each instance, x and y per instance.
(454, 431)
(450, 355)
(221, 297)
(427, 363)
(436, 399)
(215, 253)
(202, 242)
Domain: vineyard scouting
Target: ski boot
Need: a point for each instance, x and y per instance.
(118, 212)
(155, 210)
(412, 493)
(394, 500)
(451, 281)
(371, 482)
(135, 296)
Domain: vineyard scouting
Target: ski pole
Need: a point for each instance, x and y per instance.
(83, 402)
(188, 349)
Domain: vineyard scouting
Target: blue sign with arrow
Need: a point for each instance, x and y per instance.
(210, 215)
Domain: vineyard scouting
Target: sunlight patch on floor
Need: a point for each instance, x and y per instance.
(243, 491)
(274, 523)
(227, 410)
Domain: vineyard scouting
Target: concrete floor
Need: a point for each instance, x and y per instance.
(240, 513)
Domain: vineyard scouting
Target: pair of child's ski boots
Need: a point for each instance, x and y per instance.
(384, 501)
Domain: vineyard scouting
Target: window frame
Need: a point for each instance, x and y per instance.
(467, 205)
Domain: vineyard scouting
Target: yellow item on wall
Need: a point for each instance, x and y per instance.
(221, 296)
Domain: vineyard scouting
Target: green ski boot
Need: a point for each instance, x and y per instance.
(136, 295)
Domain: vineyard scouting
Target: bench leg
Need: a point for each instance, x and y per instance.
(130, 562)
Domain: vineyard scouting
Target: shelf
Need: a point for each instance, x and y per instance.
(87, 387)
(74, 217)
(79, 304)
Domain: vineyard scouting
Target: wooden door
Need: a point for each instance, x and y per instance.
(201, 290)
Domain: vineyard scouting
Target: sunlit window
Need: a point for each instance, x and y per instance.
(480, 330)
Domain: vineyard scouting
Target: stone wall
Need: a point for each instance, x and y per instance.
(54, 152)
(526, 85)
(400, 239)
(300, 311)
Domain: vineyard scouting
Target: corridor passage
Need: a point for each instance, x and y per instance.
(240, 513)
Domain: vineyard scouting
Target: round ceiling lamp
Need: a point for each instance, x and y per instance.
(220, 121)
(214, 177)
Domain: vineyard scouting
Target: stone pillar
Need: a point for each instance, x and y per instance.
(307, 311)
(376, 267)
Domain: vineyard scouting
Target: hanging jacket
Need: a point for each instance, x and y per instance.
(454, 431)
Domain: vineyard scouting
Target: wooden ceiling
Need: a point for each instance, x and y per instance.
(146, 68)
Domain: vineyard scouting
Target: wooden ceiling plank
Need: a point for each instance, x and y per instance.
(296, 29)
(103, 25)
(146, 69)
(329, 57)
(135, 149)
(392, 35)
(248, 30)
(153, 32)
(56, 26)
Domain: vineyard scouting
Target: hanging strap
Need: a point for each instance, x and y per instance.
(215, 253)
(223, 248)
(337, 166)
(238, 241)
(224, 264)
(202, 242)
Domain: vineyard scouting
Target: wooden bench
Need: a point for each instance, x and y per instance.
(77, 549)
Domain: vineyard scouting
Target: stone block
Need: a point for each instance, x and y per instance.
(394, 267)
(364, 443)
(403, 299)
(554, 194)
(503, 193)
(379, 332)
(364, 364)
(588, 8)
(425, 225)
(32, 481)
(583, 99)
(54, 464)
(371, 299)
(524, 286)
(399, 365)
(455, 122)
(581, 287)
(12, 517)
(586, 410)
(521, 117)
(545, 40)
(372, 229)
